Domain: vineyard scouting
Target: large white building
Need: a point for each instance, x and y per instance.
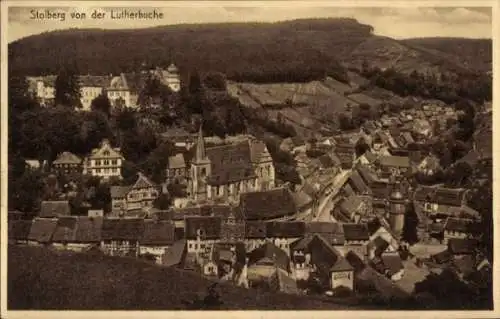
(123, 88)
(105, 161)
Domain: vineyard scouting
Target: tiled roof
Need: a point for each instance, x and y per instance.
(230, 163)
(65, 230)
(269, 252)
(351, 205)
(208, 227)
(19, 229)
(142, 182)
(333, 233)
(471, 158)
(449, 196)
(258, 151)
(342, 265)
(462, 246)
(323, 255)
(255, 229)
(119, 191)
(54, 209)
(122, 229)
(366, 173)
(393, 263)
(42, 229)
(157, 233)
(395, 161)
(176, 161)
(358, 184)
(94, 81)
(88, 229)
(356, 232)
(267, 204)
(67, 158)
(424, 193)
(285, 229)
(174, 255)
(181, 213)
(459, 225)
(380, 245)
(113, 152)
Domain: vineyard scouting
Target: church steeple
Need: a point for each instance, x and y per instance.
(200, 146)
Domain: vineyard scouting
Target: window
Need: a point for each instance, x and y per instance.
(114, 170)
(114, 162)
(190, 245)
(106, 162)
(97, 163)
(98, 170)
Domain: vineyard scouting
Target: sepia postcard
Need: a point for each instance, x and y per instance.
(278, 158)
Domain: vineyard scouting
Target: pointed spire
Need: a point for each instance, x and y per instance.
(200, 145)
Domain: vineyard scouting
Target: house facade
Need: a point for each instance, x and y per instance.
(67, 163)
(121, 236)
(105, 161)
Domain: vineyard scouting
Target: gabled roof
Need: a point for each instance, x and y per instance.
(366, 174)
(286, 229)
(181, 213)
(19, 229)
(142, 182)
(356, 232)
(55, 209)
(342, 265)
(208, 227)
(267, 204)
(358, 184)
(119, 191)
(351, 205)
(106, 148)
(258, 152)
(157, 233)
(269, 252)
(255, 229)
(449, 196)
(42, 229)
(395, 161)
(122, 229)
(176, 161)
(67, 158)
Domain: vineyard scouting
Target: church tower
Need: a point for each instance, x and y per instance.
(200, 170)
(397, 211)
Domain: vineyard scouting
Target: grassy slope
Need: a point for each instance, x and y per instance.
(42, 279)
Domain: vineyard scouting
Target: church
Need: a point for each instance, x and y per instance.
(224, 172)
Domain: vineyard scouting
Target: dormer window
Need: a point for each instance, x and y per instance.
(106, 153)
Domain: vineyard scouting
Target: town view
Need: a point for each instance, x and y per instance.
(305, 164)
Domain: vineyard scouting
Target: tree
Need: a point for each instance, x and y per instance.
(67, 89)
(163, 202)
(25, 193)
(215, 81)
(101, 104)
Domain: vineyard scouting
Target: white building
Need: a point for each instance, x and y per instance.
(104, 161)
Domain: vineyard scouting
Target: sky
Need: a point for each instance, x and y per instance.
(395, 22)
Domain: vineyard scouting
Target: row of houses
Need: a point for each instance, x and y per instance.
(104, 161)
(124, 87)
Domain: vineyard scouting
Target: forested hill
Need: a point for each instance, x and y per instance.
(298, 50)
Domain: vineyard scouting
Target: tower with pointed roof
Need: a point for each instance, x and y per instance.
(200, 169)
(397, 206)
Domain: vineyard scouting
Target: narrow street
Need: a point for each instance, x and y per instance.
(326, 203)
